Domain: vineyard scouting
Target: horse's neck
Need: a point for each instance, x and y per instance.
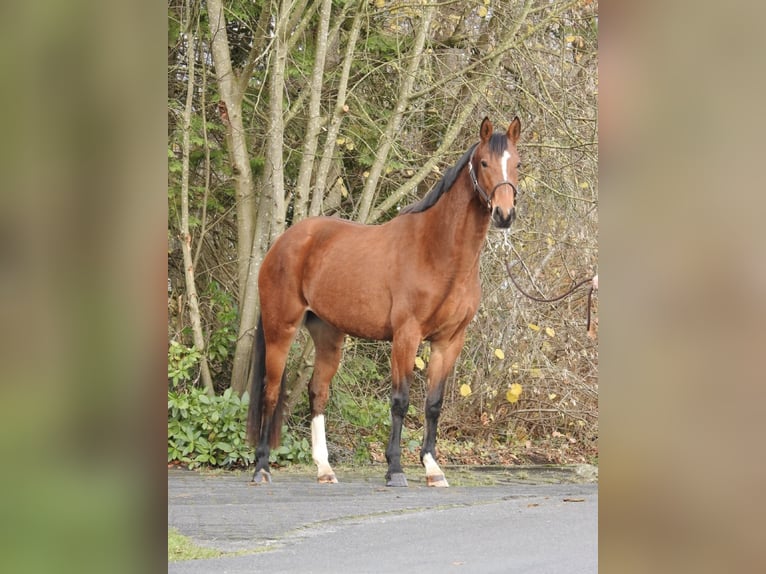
(458, 224)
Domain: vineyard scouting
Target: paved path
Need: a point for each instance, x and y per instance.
(526, 520)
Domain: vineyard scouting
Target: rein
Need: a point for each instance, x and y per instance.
(592, 280)
(487, 197)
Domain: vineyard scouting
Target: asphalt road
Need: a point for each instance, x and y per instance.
(525, 520)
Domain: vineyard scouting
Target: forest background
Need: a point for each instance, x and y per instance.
(283, 110)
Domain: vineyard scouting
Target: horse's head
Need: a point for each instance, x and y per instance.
(494, 168)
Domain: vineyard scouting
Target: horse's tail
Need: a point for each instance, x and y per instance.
(257, 392)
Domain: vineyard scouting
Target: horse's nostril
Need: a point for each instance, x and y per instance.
(501, 219)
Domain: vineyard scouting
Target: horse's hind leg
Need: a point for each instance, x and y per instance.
(328, 342)
(279, 336)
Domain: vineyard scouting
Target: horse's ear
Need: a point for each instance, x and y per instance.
(486, 130)
(514, 130)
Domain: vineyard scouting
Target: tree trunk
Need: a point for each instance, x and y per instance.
(477, 88)
(231, 112)
(191, 288)
(314, 118)
(328, 153)
(275, 189)
(395, 121)
(272, 212)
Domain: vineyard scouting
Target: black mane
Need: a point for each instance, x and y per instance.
(498, 143)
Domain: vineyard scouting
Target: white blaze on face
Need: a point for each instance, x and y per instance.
(504, 164)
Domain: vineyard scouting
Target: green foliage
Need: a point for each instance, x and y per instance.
(182, 362)
(384, 46)
(208, 431)
(257, 162)
(223, 338)
(291, 450)
(205, 431)
(358, 412)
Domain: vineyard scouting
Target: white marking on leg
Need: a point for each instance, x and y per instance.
(431, 467)
(319, 447)
(504, 164)
(433, 470)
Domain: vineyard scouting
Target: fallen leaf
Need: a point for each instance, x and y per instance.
(499, 354)
(465, 390)
(513, 394)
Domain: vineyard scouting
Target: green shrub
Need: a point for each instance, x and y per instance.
(291, 450)
(208, 431)
(224, 336)
(182, 363)
(205, 431)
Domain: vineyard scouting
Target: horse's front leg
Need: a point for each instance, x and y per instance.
(399, 404)
(443, 356)
(405, 346)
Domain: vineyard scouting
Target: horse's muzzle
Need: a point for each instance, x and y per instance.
(501, 219)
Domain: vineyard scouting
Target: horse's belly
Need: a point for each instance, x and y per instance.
(359, 310)
(357, 322)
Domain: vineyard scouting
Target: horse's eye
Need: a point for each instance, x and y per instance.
(484, 163)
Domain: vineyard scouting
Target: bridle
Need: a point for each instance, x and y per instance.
(487, 197)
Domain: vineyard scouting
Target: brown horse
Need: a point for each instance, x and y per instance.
(411, 279)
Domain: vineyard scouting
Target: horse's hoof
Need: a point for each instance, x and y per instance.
(261, 477)
(327, 479)
(397, 479)
(437, 480)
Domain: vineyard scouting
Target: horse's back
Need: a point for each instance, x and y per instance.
(338, 269)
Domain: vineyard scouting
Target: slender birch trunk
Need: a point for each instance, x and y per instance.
(328, 153)
(311, 143)
(274, 191)
(231, 112)
(186, 247)
(395, 121)
(272, 208)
